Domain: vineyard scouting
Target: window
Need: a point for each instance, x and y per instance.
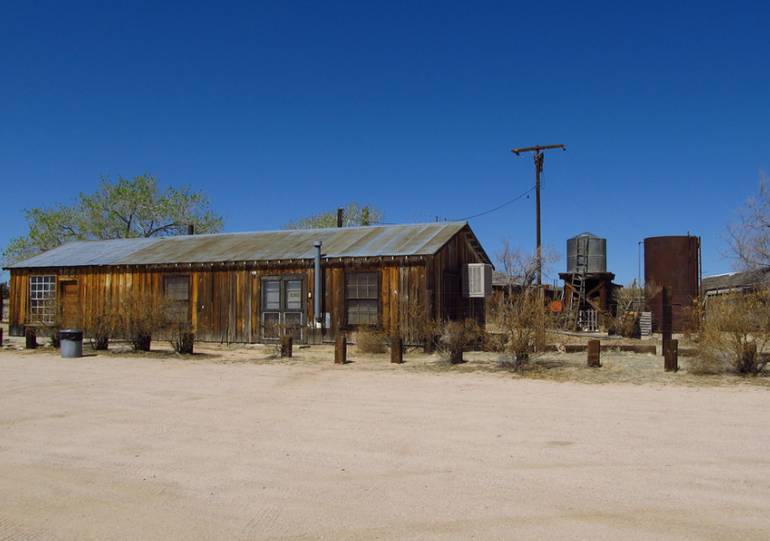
(177, 290)
(282, 307)
(42, 299)
(272, 292)
(362, 298)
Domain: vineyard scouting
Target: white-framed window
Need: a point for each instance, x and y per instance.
(42, 298)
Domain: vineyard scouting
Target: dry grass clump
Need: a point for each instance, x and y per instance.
(371, 340)
(732, 332)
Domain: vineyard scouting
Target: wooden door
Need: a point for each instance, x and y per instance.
(282, 307)
(70, 305)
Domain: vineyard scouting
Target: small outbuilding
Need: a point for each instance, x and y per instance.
(246, 287)
(735, 282)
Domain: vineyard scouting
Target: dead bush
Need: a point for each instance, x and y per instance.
(458, 336)
(144, 315)
(520, 313)
(494, 342)
(628, 302)
(371, 340)
(182, 338)
(104, 324)
(732, 332)
(417, 326)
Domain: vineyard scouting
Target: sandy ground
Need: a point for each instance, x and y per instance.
(217, 447)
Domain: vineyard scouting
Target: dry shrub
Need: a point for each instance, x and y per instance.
(417, 326)
(522, 319)
(732, 332)
(494, 342)
(456, 337)
(628, 301)
(692, 318)
(521, 313)
(371, 340)
(182, 337)
(144, 315)
(104, 324)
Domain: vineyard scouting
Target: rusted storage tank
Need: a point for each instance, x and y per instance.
(672, 262)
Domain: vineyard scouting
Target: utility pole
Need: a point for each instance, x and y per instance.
(538, 150)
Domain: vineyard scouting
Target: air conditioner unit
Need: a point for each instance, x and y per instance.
(477, 280)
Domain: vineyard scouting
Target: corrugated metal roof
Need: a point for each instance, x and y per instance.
(369, 241)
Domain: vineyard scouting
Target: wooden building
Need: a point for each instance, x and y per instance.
(242, 287)
(735, 283)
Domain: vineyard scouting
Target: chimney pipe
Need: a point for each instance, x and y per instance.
(340, 216)
(317, 275)
(190, 229)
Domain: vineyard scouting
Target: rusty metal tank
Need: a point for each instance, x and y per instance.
(586, 253)
(672, 262)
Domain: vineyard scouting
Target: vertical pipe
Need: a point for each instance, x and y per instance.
(317, 289)
(340, 216)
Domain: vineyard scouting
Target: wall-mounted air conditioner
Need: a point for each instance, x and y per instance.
(477, 280)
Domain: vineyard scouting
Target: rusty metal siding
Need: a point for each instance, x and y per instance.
(673, 262)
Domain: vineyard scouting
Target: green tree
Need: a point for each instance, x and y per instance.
(353, 215)
(125, 208)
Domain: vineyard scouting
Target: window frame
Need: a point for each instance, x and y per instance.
(36, 316)
(377, 299)
(177, 275)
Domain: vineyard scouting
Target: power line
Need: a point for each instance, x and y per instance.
(498, 207)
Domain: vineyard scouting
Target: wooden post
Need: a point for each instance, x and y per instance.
(594, 352)
(396, 350)
(429, 345)
(671, 356)
(286, 346)
(1, 336)
(31, 338)
(340, 348)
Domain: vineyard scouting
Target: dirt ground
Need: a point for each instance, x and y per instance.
(235, 444)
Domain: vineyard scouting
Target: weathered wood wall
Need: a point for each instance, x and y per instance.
(450, 260)
(226, 303)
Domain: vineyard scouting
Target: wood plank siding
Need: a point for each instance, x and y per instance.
(225, 299)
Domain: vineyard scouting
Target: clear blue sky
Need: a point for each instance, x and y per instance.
(282, 109)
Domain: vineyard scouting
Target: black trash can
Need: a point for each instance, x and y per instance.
(71, 343)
